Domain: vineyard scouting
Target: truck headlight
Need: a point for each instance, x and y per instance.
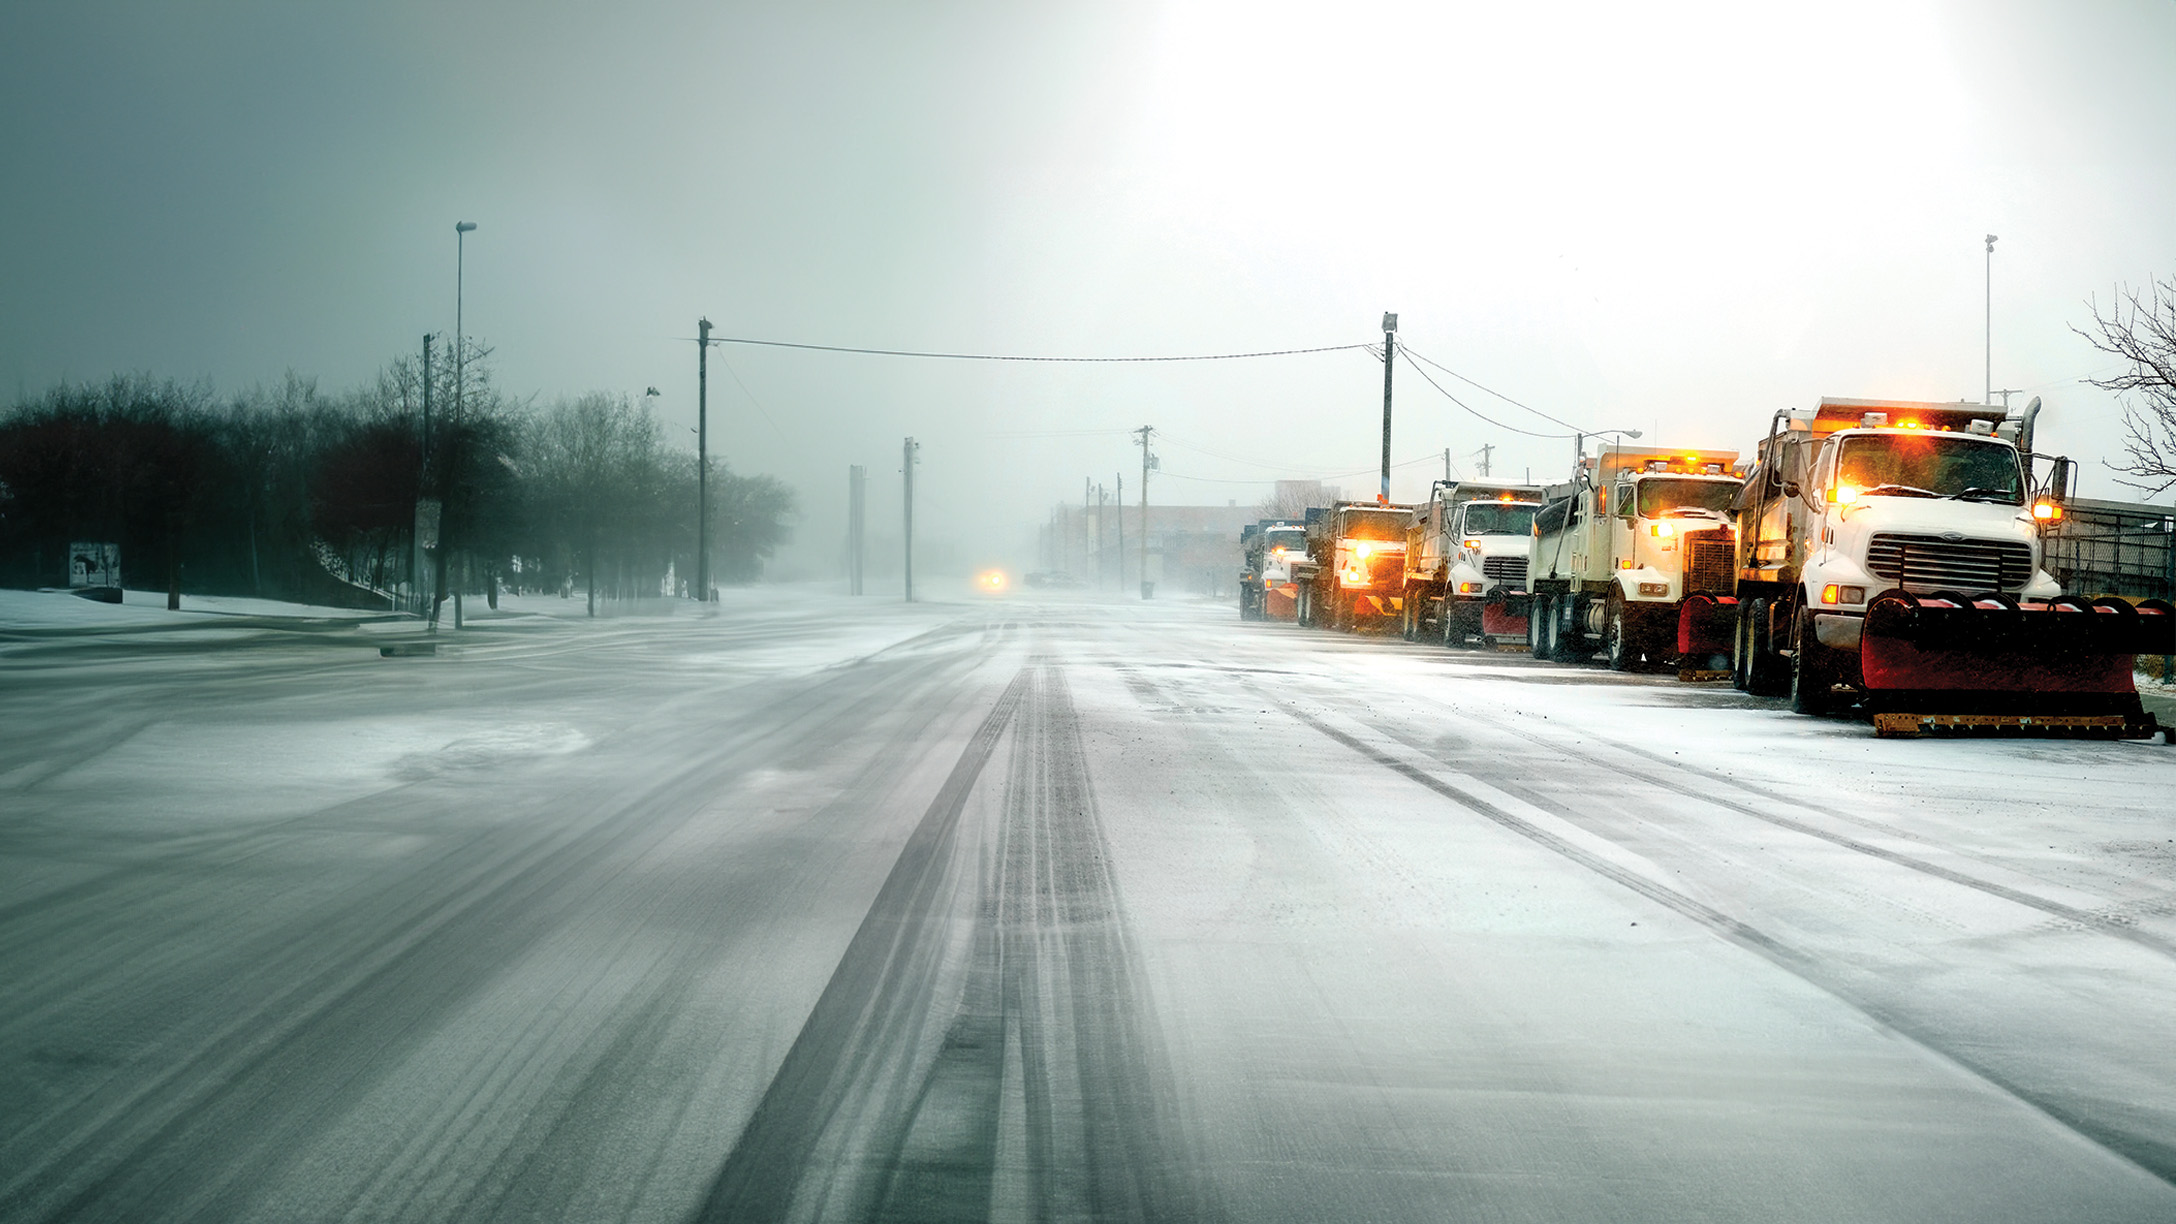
(1655, 589)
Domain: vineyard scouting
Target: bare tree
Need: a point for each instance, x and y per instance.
(1293, 498)
(2141, 329)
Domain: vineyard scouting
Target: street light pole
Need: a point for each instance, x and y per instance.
(1990, 388)
(1390, 357)
(460, 363)
(702, 460)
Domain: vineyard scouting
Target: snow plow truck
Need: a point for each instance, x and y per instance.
(1354, 574)
(1891, 553)
(1465, 562)
(1616, 552)
(1267, 552)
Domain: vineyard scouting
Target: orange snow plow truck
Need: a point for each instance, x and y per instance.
(1891, 554)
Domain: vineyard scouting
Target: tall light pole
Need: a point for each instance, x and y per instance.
(1148, 461)
(702, 460)
(1390, 357)
(460, 364)
(1990, 390)
(908, 459)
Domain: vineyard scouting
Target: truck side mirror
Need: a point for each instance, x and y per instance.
(1790, 488)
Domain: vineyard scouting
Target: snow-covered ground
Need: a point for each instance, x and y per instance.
(812, 907)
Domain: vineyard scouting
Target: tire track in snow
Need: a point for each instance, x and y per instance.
(2154, 1153)
(1045, 1093)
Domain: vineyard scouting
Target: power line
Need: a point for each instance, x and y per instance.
(1469, 408)
(876, 352)
(1498, 394)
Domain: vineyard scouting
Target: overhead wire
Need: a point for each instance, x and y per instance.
(943, 356)
(1470, 408)
(1498, 394)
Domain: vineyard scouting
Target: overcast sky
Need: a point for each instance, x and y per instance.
(1675, 218)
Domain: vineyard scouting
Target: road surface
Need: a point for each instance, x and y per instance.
(831, 909)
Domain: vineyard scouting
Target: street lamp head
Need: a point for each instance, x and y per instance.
(653, 391)
(1990, 244)
(1631, 433)
(462, 227)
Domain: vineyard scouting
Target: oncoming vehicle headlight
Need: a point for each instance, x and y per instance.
(991, 580)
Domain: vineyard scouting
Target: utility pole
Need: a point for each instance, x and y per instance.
(1119, 503)
(1101, 500)
(460, 364)
(1390, 357)
(857, 495)
(1485, 452)
(416, 558)
(1148, 460)
(907, 466)
(1990, 320)
(702, 461)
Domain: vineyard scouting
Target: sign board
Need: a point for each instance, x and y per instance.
(427, 523)
(94, 565)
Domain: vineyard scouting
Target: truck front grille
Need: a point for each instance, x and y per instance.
(1931, 563)
(1505, 571)
(1711, 563)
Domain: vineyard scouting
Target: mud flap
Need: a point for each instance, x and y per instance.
(1504, 629)
(1705, 625)
(1949, 663)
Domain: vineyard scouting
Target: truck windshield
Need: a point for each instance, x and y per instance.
(1498, 518)
(1930, 465)
(1377, 525)
(1290, 541)
(1660, 496)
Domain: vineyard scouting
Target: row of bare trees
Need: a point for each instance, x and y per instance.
(292, 493)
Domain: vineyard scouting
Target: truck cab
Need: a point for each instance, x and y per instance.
(1466, 557)
(1618, 548)
(1270, 549)
(1856, 498)
(1355, 572)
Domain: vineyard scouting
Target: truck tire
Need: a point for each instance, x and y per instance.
(1458, 627)
(1813, 674)
(1567, 640)
(1303, 605)
(1409, 617)
(1537, 627)
(1765, 674)
(1617, 647)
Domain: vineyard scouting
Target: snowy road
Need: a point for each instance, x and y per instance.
(839, 910)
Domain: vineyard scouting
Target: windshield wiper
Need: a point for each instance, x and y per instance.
(1976, 493)
(1905, 489)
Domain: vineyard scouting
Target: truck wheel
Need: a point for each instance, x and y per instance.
(1457, 627)
(1537, 627)
(1407, 615)
(1302, 607)
(1765, 674)
(1568, 642)
(1617, 639)
(1812, 673)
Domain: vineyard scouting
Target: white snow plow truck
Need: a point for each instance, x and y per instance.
(1615, 552)
(1354, 574)
(1891, 553)
(1268, 550)
(1465, 562)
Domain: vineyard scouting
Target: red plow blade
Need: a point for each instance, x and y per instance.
(1955, 663)
(1705, 626)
